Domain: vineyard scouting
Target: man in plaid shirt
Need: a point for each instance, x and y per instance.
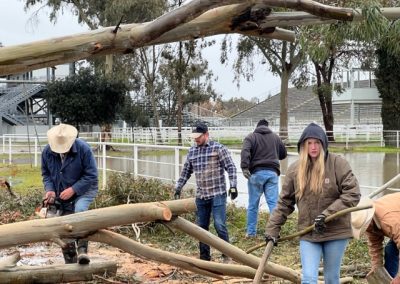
(208, 160)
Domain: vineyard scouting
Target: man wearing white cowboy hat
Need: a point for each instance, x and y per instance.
(378, 222)
(70, 180)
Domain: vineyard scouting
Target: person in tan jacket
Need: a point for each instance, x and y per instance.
(382, 220)
(320, 184)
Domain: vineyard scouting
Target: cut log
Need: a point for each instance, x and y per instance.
(83, 223)
(56, 273)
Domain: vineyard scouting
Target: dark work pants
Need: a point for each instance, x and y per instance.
(217, 207)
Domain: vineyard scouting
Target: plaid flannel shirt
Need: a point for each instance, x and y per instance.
(208, 162)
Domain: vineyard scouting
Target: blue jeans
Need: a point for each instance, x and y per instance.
(82, 202)
(332, 254)
(261, 182)
(391, 258)
(216, 206)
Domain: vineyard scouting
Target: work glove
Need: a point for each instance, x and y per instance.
(233, 193)
(319, 224)
(272, 239)
(177, 194)
(246, 173)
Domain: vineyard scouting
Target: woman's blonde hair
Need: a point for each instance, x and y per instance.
(310, 173)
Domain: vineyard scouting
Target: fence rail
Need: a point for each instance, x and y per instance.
(132, 157)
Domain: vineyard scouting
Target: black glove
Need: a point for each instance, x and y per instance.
(246, 173)
(177, 194)
(269, 238)
(233, 193)
(319, 224)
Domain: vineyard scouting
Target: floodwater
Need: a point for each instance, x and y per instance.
(371, 169)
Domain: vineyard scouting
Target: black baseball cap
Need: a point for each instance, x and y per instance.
(198, 130)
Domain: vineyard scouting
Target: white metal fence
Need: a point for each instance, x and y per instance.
(369, 134)
(132, 158)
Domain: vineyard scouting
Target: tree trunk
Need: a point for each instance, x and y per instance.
(179, 90)
(208, 268)
(283, 124)
(83, 223)
(324, 92)
(232, 251)
(56, 273)
(47, 53)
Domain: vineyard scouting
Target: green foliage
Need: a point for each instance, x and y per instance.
(105, 13)
(123, 188)
(20, 208)
(184, 78)
(86, 98)
(134, 114)
(388, 84)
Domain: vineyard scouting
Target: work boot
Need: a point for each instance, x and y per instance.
(83, 257)
(69, 253)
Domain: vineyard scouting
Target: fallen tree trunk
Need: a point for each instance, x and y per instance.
(195, 20)
(56, 273)
(207, 268)
(84, 223)
(232, 251)
(21, 58)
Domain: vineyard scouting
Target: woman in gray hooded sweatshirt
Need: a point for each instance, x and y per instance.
(320, 184)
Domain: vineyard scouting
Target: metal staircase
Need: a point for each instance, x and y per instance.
(12, 97)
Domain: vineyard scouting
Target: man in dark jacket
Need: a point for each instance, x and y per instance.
(70, 180)
(260, 157)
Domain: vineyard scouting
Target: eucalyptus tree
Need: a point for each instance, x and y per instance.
(186, 78)
(283, 59)
(342, 45)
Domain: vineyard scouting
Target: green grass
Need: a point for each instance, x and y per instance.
(22, 177)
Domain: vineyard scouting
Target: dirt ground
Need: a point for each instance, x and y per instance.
(131, 269)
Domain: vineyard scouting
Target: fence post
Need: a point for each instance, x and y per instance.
(36, 152)
(104, 162)
(347, 138)
(4, 144)
(176, 164)
(9, 151)
(397, 139)
(135, 161)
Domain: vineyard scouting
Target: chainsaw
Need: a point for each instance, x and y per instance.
(51, 207)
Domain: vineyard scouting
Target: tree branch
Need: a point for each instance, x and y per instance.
(310, 228)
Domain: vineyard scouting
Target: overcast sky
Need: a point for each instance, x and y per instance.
(16, 28)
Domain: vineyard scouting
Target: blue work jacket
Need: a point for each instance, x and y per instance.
(79, 170)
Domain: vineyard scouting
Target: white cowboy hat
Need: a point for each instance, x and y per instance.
(361, 219)
(61, 137)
